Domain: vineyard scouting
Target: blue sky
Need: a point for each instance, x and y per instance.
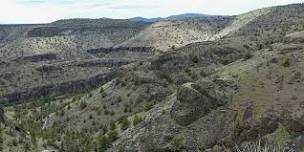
(43, 11)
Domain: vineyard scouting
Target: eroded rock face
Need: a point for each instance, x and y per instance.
(120, 49)
(194, 101)
(64, 88)
(38, 58)
(104, 63)
(48, 32)
(190, 105)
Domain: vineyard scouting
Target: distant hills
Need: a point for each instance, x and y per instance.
(175, 17)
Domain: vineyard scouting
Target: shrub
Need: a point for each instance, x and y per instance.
(99, 112)
(123, 83)
(27, 147)
(101, 90)
(61, 113)
(248, 55)
(173, 47)
(104, 94)
(106, 112)
(246, 46)
(90, 95)
(137, 120)
(148, 106)
(188, 71)
(112, 113)
(113, 135)
(121, 149)
(260, 46)
(294, 97)
(286, 62)
(140, 99)
(14, 142)
(104, 129)
(124, 123)
(270, 48)
(203, 73)
(237, 127)
(119, 99)
(166, 77)
(274, 60)
(83, 105)
(112, 125)
(195, 59)
(126, 109)
(103, 142)
(177, 144)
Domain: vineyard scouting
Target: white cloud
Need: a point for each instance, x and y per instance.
(40, 11)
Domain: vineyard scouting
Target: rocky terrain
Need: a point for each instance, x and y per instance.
(231, 83)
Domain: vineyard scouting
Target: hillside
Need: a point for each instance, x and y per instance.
(68, 38)
(166, 35)
(201, 84)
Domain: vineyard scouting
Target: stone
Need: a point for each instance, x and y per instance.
(194, 101)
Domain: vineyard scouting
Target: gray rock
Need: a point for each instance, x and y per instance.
(37, 58)
(294, 123)
(253, 128)
(64, 88)
(194, 101)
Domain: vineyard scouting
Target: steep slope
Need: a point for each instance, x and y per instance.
(273, 25)
(255, 99)
(166, 35)
(240, 21)
(67, 38)
(263, 100)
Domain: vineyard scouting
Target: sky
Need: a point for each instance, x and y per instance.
(45, 11)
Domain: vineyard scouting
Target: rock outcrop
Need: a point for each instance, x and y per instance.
(38, 58)
(104, 63)
(48, 32)
(119, 49)
(203, 54)
(194, 101)
(58, 89)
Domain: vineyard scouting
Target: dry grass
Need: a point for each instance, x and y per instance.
(259, 147)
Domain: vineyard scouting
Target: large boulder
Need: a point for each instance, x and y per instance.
(195, 100)
(253, 128)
